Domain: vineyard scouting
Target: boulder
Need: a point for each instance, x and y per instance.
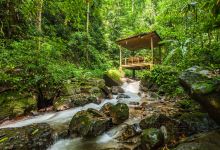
(109, 81)
(203, 87)
(196, 122)
(129, 131)
(151, 139)
(117, 89)
(81, 92)
(106, 109)
(36, 136)
(155, 121)
(204, 141)
(88, 123)
(119, 113)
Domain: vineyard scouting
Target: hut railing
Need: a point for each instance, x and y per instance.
(133, 60)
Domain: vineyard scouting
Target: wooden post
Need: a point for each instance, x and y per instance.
(120, 68)
(152, 49)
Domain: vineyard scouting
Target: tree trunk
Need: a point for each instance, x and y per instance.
(132, 6)
(87, 30)
(39, 21)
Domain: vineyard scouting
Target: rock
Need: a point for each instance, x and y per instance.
(109, 81)
(155, 121)
(151, 139)
(204, 88)
(107, 92)
(66, 102)
(148, 85)
(88, 123)
(106, 109)
(63, 103)
(129, 131)
(61, 131)
(117, 89)
(36, 136)
(122, 96)
(119, 113)
(14, 104)
(168, 126)
(204, 141)
(192, 123)
(81, 92)
(83, 99)
(134, 103)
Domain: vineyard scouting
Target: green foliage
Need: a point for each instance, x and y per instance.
(166, 78)
(39, 61)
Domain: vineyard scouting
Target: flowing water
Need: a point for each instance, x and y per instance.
(104, 141)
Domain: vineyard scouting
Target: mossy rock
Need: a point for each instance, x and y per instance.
(63, 103)
(155, 121)
(119, 113)
(83, 99)
(83, 86)
(151, 139)
(112, 78)
(196, 122)
(106, 108)
(204, 141)
(36, 136)
(203, 88)
(15, 104)
(88, 123)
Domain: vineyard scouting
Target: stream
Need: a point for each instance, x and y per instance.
(58, 119)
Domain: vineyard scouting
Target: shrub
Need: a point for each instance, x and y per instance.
(165, 78)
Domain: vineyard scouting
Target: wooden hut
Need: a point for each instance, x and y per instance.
(134, 43)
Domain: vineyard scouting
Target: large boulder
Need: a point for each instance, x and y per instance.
(204, 87)
(81, 92)
(119, 113)
(204, 141)
(196, 122)
(112, 78)
(36, 136)
(88, 123)
(151, 139)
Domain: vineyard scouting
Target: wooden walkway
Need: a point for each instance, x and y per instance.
(136, 63)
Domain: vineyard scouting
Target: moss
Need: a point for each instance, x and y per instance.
(203, 88)
(152, 137)
(15, 104)
(119, 113)
(114, 74)
(88, 123)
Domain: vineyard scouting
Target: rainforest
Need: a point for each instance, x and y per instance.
(109, 74)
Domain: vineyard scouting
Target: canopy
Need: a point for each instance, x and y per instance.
(140, 41)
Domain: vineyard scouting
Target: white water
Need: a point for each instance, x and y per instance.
(106, 140)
